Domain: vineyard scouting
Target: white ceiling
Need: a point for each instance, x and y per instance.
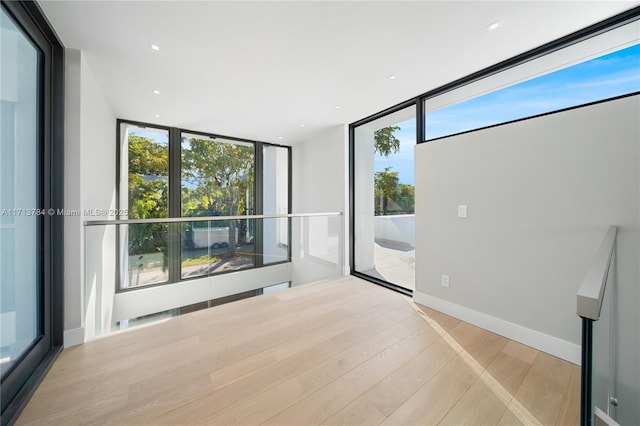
(260, 70)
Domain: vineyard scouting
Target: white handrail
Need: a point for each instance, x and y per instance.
(603, 418)
(202, 219)
(593, 286)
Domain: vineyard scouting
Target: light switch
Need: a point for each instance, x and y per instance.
(462, 211)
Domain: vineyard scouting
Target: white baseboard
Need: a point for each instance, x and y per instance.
(73, 337)
(535, 339)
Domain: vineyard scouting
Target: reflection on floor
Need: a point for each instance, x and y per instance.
(395, 264)
(342, 351)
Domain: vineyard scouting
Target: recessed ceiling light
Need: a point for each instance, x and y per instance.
(279, 137)
(338, 107)
(157, 115)
(302, 125)
(494, 26)
(155, 47)
(157, 92)
(392, 77)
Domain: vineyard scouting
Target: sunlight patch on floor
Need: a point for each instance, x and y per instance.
(512, 404)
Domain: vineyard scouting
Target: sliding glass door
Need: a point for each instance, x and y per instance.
(27, 201)
(20, 225)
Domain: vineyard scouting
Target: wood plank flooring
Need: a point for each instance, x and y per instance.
(337, 352)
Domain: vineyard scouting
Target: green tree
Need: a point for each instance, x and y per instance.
(384, 141)
(222, 174)
(148, 194)
(391, 196)
(148, 178)
(385, 189)
(406, 199)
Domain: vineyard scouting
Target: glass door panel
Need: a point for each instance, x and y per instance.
(384, 219)
(21, 210)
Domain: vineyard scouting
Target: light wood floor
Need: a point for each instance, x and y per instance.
(338, 352)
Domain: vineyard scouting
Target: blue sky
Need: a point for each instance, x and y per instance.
(157, 135)
(401, 162)
(610, 75)
(605, 77)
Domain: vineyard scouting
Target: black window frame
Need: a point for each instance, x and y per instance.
(594, 30)
(175, 199)
(598, 28)
(352, 196)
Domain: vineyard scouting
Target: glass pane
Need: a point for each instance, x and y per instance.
(384, 198)
(217, 180)
(317, 245)
(603, 364)
(604, 77)
(145, 156)
(275, 233)
(147, 262)
(20, 220)
(206, 246)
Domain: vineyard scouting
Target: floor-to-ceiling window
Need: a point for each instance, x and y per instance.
(383, 185)
(145, 156)
(30, 308)
(170, 173)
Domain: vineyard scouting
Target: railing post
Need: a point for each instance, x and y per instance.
(586, 372)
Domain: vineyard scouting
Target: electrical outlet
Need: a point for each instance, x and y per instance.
(462, 211)
(444, 280)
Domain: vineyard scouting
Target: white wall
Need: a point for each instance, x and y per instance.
(321, 178)
(541, 194)
(89, 187)
(399, 228)
(145, 301)
(320, 172)
(363, 208)
(73, 239)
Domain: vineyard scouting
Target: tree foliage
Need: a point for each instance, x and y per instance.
(391, 196)
(148, 194)
(148, 178)
(220, 178)
(384, 141)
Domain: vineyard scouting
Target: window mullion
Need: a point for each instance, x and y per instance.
(258, 206)
(175, 207)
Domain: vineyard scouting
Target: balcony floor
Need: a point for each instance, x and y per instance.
(338, 351)
(395, 265)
